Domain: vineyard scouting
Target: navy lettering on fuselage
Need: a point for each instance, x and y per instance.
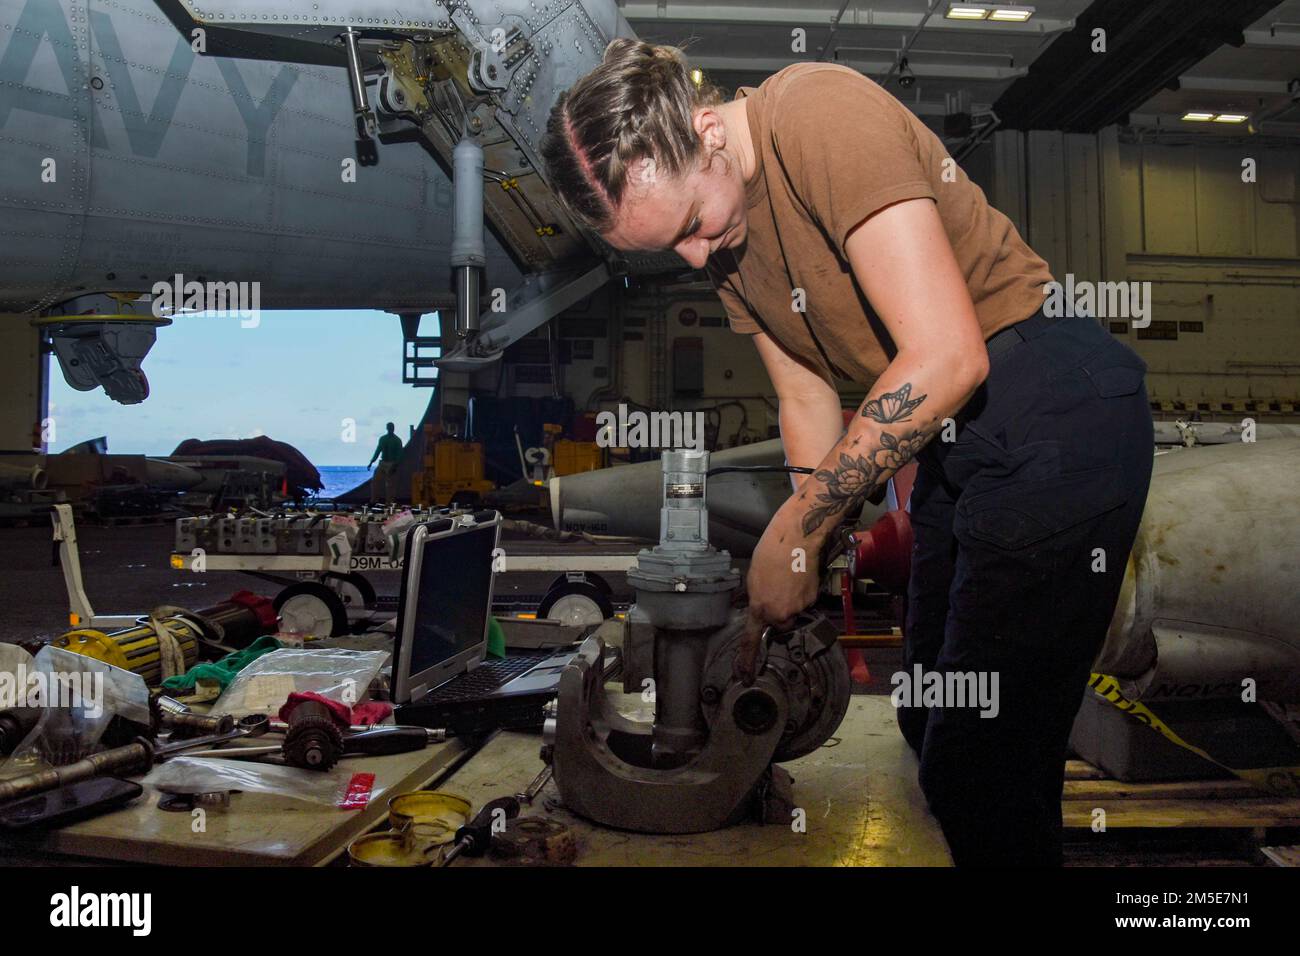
(46, 20)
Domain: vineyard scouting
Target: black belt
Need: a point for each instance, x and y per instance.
(1002, 341)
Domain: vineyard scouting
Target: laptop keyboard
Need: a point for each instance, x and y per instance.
(485, 678)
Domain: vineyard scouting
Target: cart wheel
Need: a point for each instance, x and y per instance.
(355, 589)
(575, 577)
(576, 603)
(311, 608)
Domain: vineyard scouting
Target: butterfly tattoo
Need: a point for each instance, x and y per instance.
(892, 406)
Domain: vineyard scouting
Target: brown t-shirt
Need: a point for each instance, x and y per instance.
(831, 147)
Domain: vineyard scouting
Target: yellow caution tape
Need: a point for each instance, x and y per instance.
(1282, 781)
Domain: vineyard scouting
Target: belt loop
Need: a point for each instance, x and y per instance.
(1004, 340)
(1037, 324)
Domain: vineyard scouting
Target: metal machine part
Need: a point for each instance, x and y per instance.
(104, 350)
(810, 667)
(529, 305)
(683, 590)
(156, 649)
(468, 253)
(183, 725)
(313, 740)
(166, 642)
(706, 759)
(24, 477)
(367, 125)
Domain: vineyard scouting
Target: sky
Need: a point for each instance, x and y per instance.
(295, 377)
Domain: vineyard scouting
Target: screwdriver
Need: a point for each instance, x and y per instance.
(474, 837)
(379, 741)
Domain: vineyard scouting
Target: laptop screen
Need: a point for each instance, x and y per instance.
(446, 597)
(451, 604)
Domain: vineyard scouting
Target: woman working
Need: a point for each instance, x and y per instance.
(847, 244)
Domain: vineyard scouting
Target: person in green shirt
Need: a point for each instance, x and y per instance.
(389, 453)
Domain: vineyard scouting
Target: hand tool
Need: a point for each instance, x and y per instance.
(530, 792)
(254, 725)
(474, 837)
(185, 723)
(279, 727)
(371, 742)
(135, 757)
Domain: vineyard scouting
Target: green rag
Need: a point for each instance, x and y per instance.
(224, 670)
(496, 639)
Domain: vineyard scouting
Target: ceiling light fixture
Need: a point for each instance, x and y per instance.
(1206, 116)
(1011, 14)
(906, 78)
(966, 11)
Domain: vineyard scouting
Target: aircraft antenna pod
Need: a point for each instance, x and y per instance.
(104, 350)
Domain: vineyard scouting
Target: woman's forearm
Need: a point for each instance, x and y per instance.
(901, 414)
(811, 425)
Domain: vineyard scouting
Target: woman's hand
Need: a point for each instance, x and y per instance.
(782, 581)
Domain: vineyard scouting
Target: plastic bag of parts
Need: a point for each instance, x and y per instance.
(17, 716)
(333, 788)
(264, 685)
(71, 699)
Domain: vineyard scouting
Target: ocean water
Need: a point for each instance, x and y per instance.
(339, 479)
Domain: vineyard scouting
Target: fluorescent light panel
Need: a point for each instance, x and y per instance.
(1011, 14)
(1207, 116)
(966, 12)
(972, 11)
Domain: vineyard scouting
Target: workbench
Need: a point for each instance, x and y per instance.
(862, 801)
(863, 806)
(256, 829)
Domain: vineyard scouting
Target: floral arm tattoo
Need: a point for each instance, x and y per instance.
(857, 475)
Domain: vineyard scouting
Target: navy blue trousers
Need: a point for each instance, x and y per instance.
(1023, 526)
